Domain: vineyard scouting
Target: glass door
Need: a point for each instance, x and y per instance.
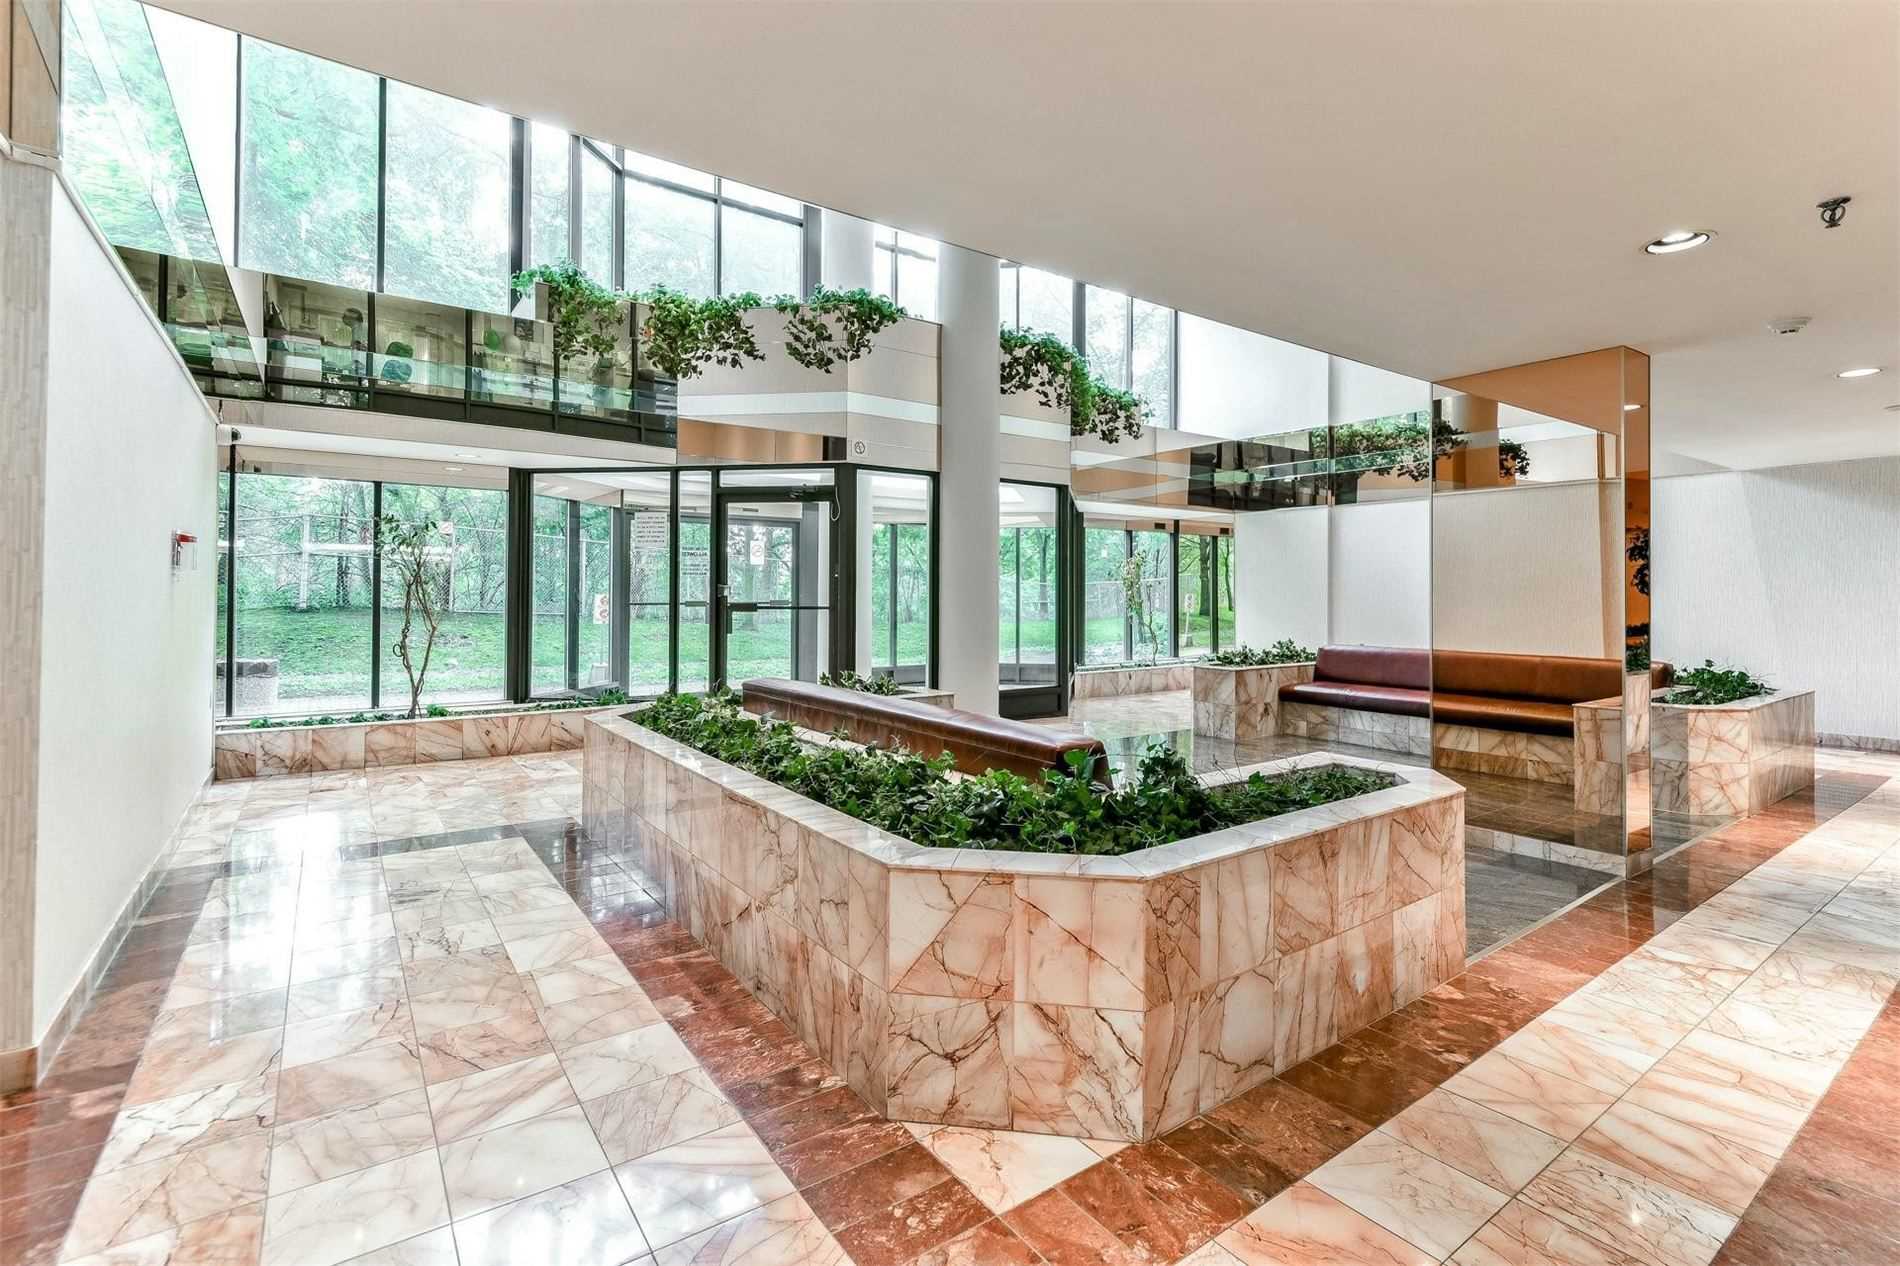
(774, 578)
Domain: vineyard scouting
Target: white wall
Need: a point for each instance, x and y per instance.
(1521, 570)
(125, 681)
(1236, 384)
(1359, 391)
(1793, 572)
(1280, 576)
(1381, 566)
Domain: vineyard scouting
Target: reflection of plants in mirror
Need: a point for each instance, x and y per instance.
(587, 317)
(1636, 656)
(855, 315)
(420, 561)
(1065, 811)
(682, 335)
(1284, 651)
(1134, 578)
(845, 679)
(1395, 445)
(1709, 686)
(1060, 379)
(1637, 552)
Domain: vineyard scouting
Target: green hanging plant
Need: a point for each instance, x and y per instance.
(1060, 379)
(857, 316)
(682, 335)
(587, 317)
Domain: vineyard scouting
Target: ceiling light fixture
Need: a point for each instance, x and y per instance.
(1680, 240)
(1631, 408)
(453, 470)
(1864, 372)
(469, 456)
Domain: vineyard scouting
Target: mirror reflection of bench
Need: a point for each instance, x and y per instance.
(976, 742)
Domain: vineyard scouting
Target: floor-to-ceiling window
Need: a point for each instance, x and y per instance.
(307, 176)
(1104, 598)
(1028, 583)
(672, 226)
(550, 152)
(446, 199)
(549, 580)
(468, 663)
(695, 565)
(1151, 618)
(303, 552)
(898, 571)
(1194, 593)
(648, 502)
(1224, 592)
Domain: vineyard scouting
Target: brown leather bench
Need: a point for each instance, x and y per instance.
(1487, 689)
(978, 743)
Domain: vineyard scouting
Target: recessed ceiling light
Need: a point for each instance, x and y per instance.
(1631, 408)
(1680, 240)
(1865, 372)
(469, 456)
(453, 470)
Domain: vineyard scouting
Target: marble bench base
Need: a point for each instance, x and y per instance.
(1096, 997)
(1512, 753)
(1320, 723)
(1732, 760)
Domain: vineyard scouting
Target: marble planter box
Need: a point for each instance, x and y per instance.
(1100, 997)
(1735, 759)
(935, 698)
(1145, 679)
(1512, 753)
(1383, 730)
(310, 749)
(1242, 703)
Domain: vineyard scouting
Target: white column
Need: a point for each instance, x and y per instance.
(970, 445)
(847, 251)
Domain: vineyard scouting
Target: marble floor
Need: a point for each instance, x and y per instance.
(355, 1024)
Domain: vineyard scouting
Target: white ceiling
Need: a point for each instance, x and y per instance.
(1435, 188)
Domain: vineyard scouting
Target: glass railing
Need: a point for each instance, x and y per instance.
(353, 349)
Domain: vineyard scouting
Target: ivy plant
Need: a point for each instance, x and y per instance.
(587, 317)
(1059, 378)
(1709, 686)
(845, 679)
(682, 335)
(834, 326)
(1284, 651)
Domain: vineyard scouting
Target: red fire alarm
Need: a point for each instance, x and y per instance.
(184, 552)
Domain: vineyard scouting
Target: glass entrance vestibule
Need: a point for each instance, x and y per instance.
(656, 579)
(569, 582)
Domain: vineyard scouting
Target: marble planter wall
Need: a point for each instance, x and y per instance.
(1106, 683)
(1512, 753)
(300, 749)
(1597, 756)
(1242, 703)
(1384, 730)
(1735, 759)
(1100, 997)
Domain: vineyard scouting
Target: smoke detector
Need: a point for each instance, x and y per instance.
(1788, 325)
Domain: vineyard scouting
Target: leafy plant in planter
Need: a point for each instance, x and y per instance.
(1396, 445)
(682, 335)
(845, 679)
(1060, 378)
(1067, 811)
(1284, 651)
(414, 551)
(856, 315)
(1709, 686)
(586, 316)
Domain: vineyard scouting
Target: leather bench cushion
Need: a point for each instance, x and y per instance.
(976, 741)
(1344, 694)
(1532, 716)
(1554, 679)
(1397, 666)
